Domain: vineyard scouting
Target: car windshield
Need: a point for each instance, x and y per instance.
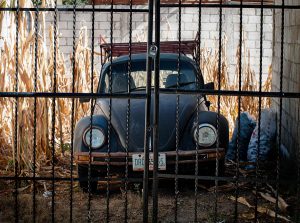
(138, 76)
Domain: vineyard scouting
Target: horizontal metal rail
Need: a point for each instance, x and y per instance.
(227, 179)
(208, 2)
(68, 95)
(271, 94)
(67, 179)
(80, 9)
(248, 6)
(65, 9)
(161, 176)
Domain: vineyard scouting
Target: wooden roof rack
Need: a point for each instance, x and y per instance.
(187, 47)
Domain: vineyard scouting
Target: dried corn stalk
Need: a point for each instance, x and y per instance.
(229, 104)
(45, 72)
(82, 77)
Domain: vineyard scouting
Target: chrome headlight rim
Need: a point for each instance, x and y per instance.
(89, 129)
(196, 133)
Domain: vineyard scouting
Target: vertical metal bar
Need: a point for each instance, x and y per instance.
(109, 119)
(177, 114)
(280, 113)
(259, 110)
(128, 114)
(198, 60)
(297, 218)
(53, 112)
(297, 208)
(148, 114)
(90, 176)
(239, 114)
(218, 112)
(72, 110)
(35, 111)
(16, 163)
(156, 113)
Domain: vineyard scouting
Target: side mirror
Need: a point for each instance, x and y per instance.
(84, 100)
(209, 86)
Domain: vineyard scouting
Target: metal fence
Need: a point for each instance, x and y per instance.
(109, 159)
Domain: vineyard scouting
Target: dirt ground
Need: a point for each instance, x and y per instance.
(186, 205)
(206, 198)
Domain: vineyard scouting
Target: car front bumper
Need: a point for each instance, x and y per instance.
(119, 158)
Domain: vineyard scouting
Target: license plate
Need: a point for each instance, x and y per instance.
(138, 162)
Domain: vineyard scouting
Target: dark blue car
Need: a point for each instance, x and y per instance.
(198, 133)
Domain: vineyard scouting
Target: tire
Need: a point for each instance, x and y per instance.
(83, 173)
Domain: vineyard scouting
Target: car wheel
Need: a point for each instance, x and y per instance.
(83, 173)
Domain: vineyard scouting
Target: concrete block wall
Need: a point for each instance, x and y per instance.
(189, 27)
(291, 75)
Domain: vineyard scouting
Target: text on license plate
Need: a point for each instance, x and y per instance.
(138, 161)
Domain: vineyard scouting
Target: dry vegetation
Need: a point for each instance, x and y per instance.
(45, 73)
(82, 77)
(229, 104)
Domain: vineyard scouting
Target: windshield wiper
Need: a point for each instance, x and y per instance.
(138, 88)
(131, 89)
(181, 84)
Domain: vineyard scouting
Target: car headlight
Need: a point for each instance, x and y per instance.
(205, 135)
(98, 137)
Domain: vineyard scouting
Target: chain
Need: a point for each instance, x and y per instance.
(72, 108)
(177, 113)
(280, 113)
(218, 115)
(239, 114)
(53, 111)
(109, 121)
(197, 162)
(259, 110)
(90, 176)
(35, 111)
(128, 113)
(198, 61)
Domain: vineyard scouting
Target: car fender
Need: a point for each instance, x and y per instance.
(82, 125)
(211, 117)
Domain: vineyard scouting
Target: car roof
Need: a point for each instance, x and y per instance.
(142, 56)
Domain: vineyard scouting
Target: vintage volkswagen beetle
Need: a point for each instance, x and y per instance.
(205, 139)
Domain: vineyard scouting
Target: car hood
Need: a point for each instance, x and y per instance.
(167, 119)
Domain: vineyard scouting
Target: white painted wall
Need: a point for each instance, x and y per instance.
(290, 124)
(169, 30)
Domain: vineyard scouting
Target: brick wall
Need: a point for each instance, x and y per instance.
(291, 75)
(169, 30)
